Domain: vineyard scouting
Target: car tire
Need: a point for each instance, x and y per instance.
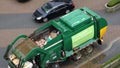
(67, 11)
(45, 19)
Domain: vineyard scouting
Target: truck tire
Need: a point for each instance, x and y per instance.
(100, 41)
(89, 49)
(55, 65)
(35, 66)
(77, 56)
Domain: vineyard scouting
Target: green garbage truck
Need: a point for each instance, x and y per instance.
(57, 40)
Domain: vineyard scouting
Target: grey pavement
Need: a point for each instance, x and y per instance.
(17, 21)
(112, 18)
(112, 52)
(3, 63)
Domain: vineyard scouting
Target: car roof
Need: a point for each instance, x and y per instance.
(66, 1)
(55, 4)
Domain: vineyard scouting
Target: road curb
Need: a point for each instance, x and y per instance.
(112, 9)
(112, 64)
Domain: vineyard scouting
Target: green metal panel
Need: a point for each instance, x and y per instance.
(67, 41)
(53, 43)
(71, 15)
(75, 18)
(102, 23)
(84, 45)
(83, 36)
(61, 26)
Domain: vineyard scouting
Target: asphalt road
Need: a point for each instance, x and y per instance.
(18, 21)
(3, 63)
(112, 18)
(114, 50)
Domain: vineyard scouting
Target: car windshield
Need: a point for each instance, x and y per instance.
(46, 7)
(37, 13)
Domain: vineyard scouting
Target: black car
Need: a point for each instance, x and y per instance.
(52, 10)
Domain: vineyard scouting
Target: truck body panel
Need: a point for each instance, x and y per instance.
(83, 36)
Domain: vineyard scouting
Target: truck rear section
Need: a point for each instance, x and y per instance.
(81, 28)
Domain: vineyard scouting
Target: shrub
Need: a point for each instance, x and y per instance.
(113, 2)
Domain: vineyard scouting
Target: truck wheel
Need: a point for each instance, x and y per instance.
(77, 56)
(55, 65)
(89, 49)
(100, 41)
(35, 66)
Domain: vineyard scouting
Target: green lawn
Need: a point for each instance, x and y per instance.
(113, 2)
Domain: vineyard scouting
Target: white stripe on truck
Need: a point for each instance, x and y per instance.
(53, 44)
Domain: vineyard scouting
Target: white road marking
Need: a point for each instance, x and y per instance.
(109, 47)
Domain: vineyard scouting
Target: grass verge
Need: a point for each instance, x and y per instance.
(111, 60)
(113, 3)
